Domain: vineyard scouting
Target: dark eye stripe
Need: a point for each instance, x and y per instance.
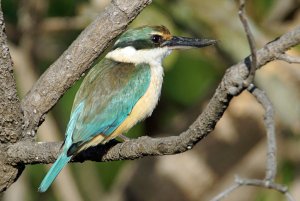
(137, 44)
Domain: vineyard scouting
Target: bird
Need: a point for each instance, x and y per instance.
(119, 91)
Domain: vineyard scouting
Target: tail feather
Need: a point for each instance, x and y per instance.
(61, 161)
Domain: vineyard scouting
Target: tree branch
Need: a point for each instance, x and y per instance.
(262, 98)
(11, 117)
(79, 57)
(10, 111)
(231, 84)
(288, 58)
(271, 166)
(239, 182)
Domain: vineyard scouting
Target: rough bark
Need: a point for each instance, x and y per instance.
(10, 111)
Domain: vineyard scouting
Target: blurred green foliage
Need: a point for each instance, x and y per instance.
(259, 9)
(62, 7)
(9, 8)
(288, 170)
(181, 83)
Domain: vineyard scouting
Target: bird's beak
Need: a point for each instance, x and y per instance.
(177, 42)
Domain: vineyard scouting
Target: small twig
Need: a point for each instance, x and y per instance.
(260, 183)
(239, 182)
(262, 98)
(265, 184)
(288, 58)
(289, 197)
(226, 192)
(251, 42)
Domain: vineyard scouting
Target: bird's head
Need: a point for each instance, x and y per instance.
(151, 43)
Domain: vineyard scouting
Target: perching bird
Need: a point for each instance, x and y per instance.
(119, 91)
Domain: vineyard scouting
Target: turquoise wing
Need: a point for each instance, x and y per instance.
(106, 97)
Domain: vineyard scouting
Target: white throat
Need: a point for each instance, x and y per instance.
(131, 55)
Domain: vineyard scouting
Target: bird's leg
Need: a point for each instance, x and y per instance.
(124, 138)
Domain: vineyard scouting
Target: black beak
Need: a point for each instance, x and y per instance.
(177, 42)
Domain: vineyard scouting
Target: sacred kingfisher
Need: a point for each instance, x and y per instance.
(119, 91)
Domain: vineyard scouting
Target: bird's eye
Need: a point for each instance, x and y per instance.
(156, 38)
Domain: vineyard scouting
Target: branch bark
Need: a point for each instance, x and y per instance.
(10, 111)
(231, 85)
(11, 117)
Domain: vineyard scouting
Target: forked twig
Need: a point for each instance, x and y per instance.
(239, 182)
(271, 165)
(262, 98)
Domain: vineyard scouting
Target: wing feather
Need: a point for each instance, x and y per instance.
(108, 94)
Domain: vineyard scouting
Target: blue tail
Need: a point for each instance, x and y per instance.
(61, 161)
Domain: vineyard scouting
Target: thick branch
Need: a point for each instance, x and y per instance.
(10, 111)
(76, 60)
(231, 84)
